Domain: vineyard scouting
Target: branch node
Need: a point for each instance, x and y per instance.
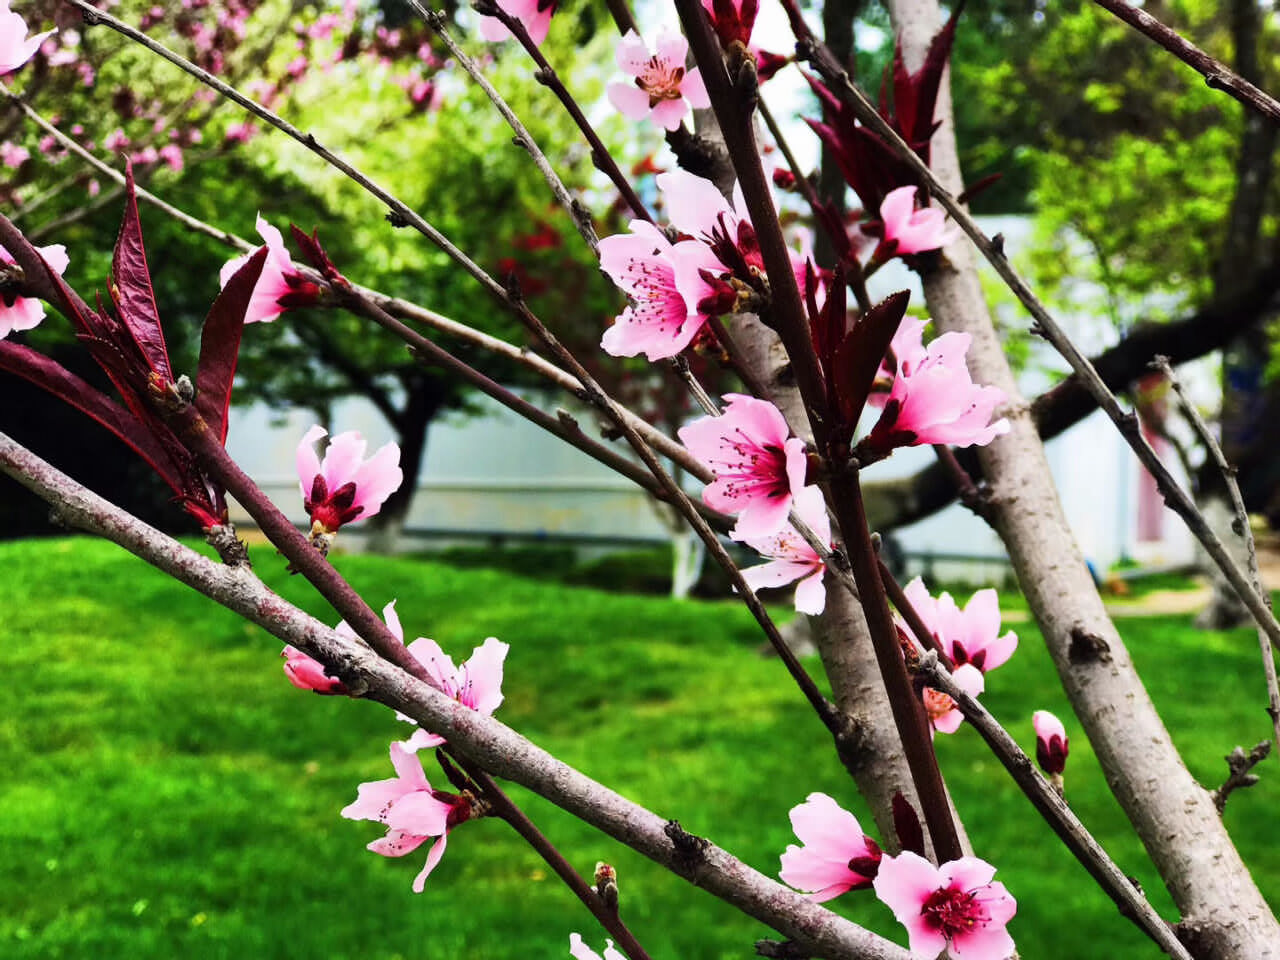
(1087, 647)
(691, 851)
(1239, 765)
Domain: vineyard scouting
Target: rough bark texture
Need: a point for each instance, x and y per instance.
(1223, 913)
(873, 755)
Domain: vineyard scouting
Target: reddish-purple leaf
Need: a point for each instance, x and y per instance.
(907, 825)
(858, 357)
(51, 376)
(131, 286)
(220, 344)
(314, 254)
(915, 95)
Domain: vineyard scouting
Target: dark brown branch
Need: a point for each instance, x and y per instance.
(1216, 74)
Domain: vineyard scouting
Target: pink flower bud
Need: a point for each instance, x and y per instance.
(1051, 742)
(308, 674)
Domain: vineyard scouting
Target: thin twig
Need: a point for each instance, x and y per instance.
(401, 213)
(1175, 497)
(1054, 809)
(547, 76)
(519, 821)
(523, 138)
(1241, 527)
(854, 279)
(1239, 772)
(1216, 74)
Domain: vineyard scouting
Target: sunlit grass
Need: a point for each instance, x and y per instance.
(166, 793)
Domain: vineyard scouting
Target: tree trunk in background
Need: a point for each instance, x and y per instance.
(1249, 405)
(1223, 914)
(422, 404)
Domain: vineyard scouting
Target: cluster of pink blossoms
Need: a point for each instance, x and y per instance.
(955, 907)
(407, 805)
(970, 637)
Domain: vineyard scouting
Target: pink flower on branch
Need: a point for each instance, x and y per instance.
(344, 486)
(16, 48)
(933, 400)
(1051, 743)
(955, 908)
(660, 322)
(534, 14)
(907, 230)
(836, 855)
(307, 673)
(412, 811)
(792, 556)
(580, 951)
(662, 88)
(969, 635)
(477, 684)
(280, 286)
(759, 468)
(944, 715)
(25, 313)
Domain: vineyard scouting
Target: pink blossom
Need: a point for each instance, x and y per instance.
(24, 313)
(836, 855)
(956, 907)
(534, 14)
(345, 486)
(661, 88)
(240, 132)
(477, 684)
(909, 230)
(792, 556)
(306, 673)
(412, 812)
(944, 715)
(16, 48)
(13, 156)
(1051, 742)
(659, 322)
(171, 154)
(934, 400)
(580, 951)
(115, 140)
(758, 468)
(280, 285)
(968, 635)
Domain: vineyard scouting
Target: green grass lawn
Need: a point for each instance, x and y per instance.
(165, 792)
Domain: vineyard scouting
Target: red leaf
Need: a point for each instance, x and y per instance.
(220, 344)
(315, 255)
(131, 288)
(907, 825)
(858, 357)
(915, 95)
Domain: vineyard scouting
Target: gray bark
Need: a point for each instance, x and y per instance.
(1223, 914)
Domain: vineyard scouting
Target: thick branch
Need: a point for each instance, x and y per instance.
(482, 739)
